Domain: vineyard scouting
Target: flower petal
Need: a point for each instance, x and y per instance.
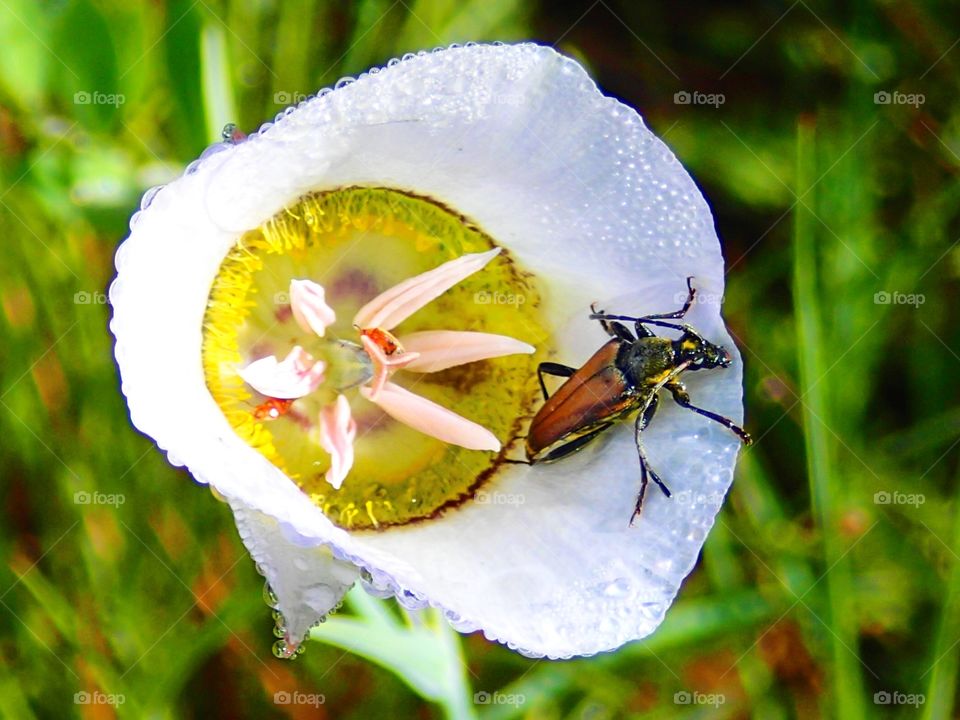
(338, 430)
(521, 141)
(309, 305)
(297, 375)
(307, 581)
(442, 349)
(432, 419)
(393, 306)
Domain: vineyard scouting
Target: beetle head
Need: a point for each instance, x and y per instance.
(700, 353)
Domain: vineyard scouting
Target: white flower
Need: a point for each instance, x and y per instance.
(587, 204)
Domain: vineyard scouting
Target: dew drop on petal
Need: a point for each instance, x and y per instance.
(619, 588)
(269, 596)
(284, 651)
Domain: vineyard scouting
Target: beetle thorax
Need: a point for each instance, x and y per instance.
(646, 361)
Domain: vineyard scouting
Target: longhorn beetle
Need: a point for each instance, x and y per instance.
(625, 375)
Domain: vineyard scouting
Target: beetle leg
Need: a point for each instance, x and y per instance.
(646, 472)
(682, 398)
(677, 314)
(615, 329)
(573, 446)
(552, 368)
(657, 319)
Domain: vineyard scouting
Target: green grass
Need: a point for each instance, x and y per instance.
(812, 594)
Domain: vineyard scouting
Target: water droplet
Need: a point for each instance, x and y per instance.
(284, 651)
(269, 596)
(279, 630)
(618, 588)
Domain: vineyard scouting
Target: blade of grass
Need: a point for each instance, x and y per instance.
(814, 387)
(219, 107)
(946, 651)
(427, 657)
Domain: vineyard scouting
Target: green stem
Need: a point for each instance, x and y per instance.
(945, 660)
(814, 385)
(458, 700)
(218, 102)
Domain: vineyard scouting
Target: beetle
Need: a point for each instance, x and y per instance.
(624, 376)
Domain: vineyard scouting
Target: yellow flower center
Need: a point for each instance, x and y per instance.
(356, 243)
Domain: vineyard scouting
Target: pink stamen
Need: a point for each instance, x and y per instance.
(338, 430)
(384, 365)
(432, 419)
(395, 305)
(309, 305)
(442, 349)
(297, 375)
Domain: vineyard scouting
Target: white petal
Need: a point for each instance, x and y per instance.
(428, 417)
(307, 580)
(393, 306)
(442, 349)
(519, 140)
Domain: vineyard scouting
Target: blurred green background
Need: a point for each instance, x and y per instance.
(826, 138)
